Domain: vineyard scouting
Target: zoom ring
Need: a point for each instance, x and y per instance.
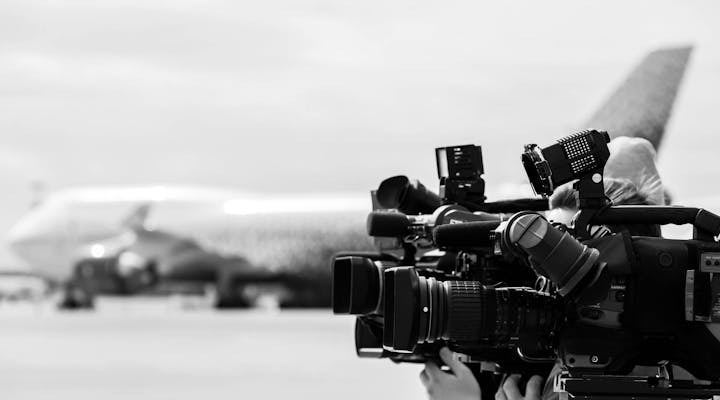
(467, 311)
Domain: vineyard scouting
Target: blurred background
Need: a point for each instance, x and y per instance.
(230, 146)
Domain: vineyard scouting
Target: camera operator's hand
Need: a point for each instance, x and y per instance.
(458, 384)
(510, 389)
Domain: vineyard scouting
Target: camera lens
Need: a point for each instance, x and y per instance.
(555, 254)
(357, 285)
(422, 309)
(368, 340)
(410, 197)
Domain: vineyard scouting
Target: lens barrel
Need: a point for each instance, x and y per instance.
(368, 340)
(410, 197)
(422, 309)
(554, 254)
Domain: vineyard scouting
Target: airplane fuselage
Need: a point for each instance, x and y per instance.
(278, 232)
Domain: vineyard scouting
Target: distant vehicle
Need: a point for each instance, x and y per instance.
(189, 234)
(123, 239)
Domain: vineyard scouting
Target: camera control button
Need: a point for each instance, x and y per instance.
(599, 359)
(665, 259)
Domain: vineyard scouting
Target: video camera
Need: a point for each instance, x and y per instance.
(517, 292)
(373, 286)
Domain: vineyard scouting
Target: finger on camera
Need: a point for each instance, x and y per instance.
(500, 394)
(457, 367)
(511, 388)
(424, 378)
(534, 387)
(433, 371)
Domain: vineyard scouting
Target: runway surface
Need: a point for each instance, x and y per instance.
(137, 350)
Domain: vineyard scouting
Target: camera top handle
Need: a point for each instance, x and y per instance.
(582, 156)
(707, 224)
(635, 387)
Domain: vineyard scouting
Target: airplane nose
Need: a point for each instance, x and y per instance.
(25, 237)
(19, 237)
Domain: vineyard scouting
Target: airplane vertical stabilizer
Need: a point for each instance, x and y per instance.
(642, 104)
(137, 217)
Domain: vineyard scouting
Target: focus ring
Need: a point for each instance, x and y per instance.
(467, 308)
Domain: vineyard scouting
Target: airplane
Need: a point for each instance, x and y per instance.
(642, 104)
(123, 239)
(234, 239)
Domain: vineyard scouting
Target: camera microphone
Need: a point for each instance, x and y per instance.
(395, 224)
(465, 235)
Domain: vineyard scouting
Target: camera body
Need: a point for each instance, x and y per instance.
(382, 288)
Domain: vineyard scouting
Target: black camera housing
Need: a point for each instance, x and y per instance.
(520, 293)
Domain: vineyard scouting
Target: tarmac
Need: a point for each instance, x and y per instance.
(152, 349)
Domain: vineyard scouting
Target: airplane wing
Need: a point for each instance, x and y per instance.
(641, 106)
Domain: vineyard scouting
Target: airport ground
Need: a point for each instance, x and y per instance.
(153, 349)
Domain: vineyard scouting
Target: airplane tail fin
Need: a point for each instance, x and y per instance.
(642, 104)
(137, 217)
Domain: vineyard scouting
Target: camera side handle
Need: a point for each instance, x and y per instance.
(703, 220)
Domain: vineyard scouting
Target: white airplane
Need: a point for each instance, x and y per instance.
(189, 234)
(218, 235)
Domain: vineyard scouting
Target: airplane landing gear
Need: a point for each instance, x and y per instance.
(229, 293)
(76, 297)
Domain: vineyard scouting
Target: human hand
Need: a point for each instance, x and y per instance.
(458, 384)
(510, 389)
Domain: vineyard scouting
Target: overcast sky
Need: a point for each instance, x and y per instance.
(288, 96)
